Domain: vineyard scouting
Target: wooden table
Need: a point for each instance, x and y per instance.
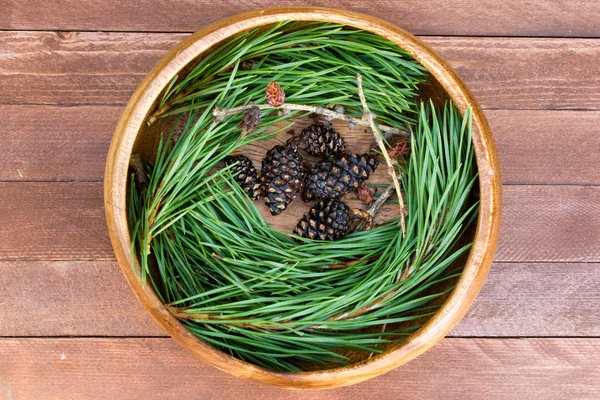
(70, 328)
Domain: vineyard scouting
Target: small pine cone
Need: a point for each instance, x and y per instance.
(400, 149)
(337, 175)
(321, 140)
(329, 220)
(245, 174)
(250, 119)
(275, 95)
(365, 194)
(283, 174)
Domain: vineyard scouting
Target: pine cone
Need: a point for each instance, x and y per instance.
(245, 175)
(250, 120)
(335, 176)
(275, 95)
(321, 140)
(329, 220)
(282, 174)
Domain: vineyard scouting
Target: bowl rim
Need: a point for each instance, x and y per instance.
(488, 223)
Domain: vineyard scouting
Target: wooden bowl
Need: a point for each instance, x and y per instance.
(132, 133)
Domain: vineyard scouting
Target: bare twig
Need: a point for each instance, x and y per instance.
(369, 116)
(380, 200)
(221, 113)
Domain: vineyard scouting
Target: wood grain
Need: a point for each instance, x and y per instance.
(74, 298)
(526, 73)
(48, 143)
(159, 368)
(105, 68)
(93, 299)
(77, 68)
(547, 147)
(53, 221)
(550, 223)
(65, 221)
(440, 17)
(530, 299)
(57, 143)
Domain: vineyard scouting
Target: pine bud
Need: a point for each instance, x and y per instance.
(364, 193)
(250, 119)
(139, 170)
(247, 65)
(401, 148)
(275, 95)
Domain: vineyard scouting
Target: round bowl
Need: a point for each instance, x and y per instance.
(132, 132)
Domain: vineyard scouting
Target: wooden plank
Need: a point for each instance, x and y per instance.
(65, 221)
(440, 17)
(77, 68)
(105, 68)
(547, 147)
(49, 143)
(159, 368)
(550, 223)
(520, 73)
(530, 299)
(74, 298)
(53, 221)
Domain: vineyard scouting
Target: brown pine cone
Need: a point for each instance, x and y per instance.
(282, 173)
(337, 175)
(330, 220)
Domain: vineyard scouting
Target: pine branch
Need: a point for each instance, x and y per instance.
(221, 113)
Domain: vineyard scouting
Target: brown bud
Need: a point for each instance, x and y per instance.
(337, 108)
(139, 170)
(275, 95)
(401, 148)
(247, 65)
(322, 119)
(250, 119)
(325, 119)
(364, 193)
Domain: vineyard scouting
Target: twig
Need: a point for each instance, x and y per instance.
(221, 113)
(380, 200)
(164, 108)
(369, 116)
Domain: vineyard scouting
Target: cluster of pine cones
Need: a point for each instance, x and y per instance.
(285, 174)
